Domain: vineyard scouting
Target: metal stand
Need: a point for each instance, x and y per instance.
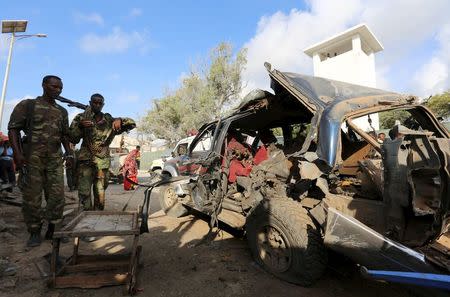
(94, 271)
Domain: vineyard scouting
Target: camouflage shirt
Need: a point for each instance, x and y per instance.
(49, 126)
(96, 140)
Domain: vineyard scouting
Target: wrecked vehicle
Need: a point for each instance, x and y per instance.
(180, 149)
(331, 183)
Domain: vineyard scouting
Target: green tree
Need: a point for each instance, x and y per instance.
(440, 104)
(224, 76)
(388, 118)
(201, 96)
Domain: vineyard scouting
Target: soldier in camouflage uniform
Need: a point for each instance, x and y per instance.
(39, 158)
(97, 130)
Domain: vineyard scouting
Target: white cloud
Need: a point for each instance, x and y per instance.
(135, 12)
(402, 26)
(93, 18)
(117, 41)
(434, 76)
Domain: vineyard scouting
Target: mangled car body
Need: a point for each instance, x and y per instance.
(329, 183)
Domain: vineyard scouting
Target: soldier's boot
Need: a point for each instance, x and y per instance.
(34, 240)
(50, 231)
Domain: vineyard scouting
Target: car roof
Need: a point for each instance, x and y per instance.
(326, 92)
(331, 101)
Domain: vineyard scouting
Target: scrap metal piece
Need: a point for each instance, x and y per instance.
(367, 247)
(256, 99)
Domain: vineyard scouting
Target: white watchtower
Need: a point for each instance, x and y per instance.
(348, 56)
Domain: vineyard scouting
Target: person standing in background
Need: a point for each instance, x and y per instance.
(97, 129)
(130, 170)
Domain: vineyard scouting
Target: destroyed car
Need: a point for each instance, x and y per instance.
(173, 167)
(180, 149)
(333, 182)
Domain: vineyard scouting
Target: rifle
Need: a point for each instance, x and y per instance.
(72, 103)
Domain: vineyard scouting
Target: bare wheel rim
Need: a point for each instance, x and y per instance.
(170, 197)
(273, 248)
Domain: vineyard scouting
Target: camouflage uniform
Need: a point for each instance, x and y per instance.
(94, 159)
(44, 163)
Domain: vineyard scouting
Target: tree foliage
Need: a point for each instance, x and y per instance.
(201, 96)
(440, 104)
(388, 118)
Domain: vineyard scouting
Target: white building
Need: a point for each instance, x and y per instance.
(349, 57)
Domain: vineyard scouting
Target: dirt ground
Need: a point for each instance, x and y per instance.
(176, 261)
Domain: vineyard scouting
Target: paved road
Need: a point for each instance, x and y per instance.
(117, 197)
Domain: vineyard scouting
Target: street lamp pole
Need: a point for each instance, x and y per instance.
(5, 81)
(12, 26)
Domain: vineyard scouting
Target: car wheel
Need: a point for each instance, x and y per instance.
(284, 241)
(169, 203)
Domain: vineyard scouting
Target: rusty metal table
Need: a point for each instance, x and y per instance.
(116, 269)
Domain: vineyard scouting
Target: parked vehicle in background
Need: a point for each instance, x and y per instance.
(169, 194)
(118, 156)
(329, 183)
(180, 149)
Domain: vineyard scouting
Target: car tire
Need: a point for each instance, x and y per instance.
(168, 200)
(285, 242)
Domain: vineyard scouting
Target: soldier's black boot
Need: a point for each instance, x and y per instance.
(34, 240)
(50, 231)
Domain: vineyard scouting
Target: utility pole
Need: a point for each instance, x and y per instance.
(5, 81)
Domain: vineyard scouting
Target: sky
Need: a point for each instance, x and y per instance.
(133, 51)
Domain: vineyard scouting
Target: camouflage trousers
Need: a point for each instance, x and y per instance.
(42, 174)
(90, 177)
